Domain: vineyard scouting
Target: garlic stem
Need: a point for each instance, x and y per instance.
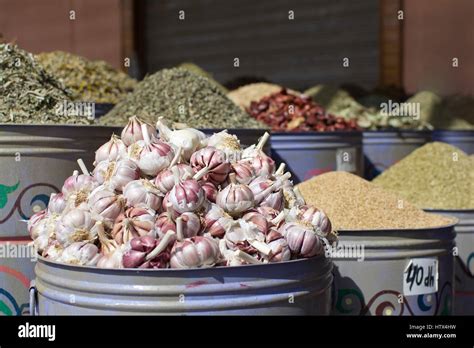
(83, 167)
(232, 178)
(262, 247)
(298, 194)
(176, 157)
(169, 212)
(75, 173)
(175, 172)
(280, 169)
(146, 136)
(246, 257)
(161, 246)
(262, 141)
(179, 228)
(201, 173)
(278, 218)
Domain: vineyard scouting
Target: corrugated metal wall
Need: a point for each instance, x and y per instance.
(296, 53)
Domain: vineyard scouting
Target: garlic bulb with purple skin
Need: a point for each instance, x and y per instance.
(148, 252)
(79, 185)
(210, 190)
(150, 156)
(278, 245)
(260, 222)
(244, 172)
(246, 237)
(133, 131)
(210, 164)
(236, 198)
(35, 219)
(42, 230)
(75, 226)
(116, 174)
(189, 140)
(261, 163)
(263, 190)
(302, 239)
(217, 221)
(165, 222)
(193, 252)
(112, 150)
(134, 222)
(228, 143)
(143, 193)
(80, 253)
(53, 250)
(111, 252)
(165, 180)
(187, 196)
(57, 203)
(314, 216)
(106, 203)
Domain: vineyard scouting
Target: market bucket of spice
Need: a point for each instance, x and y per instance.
(392, 258)
(178, 222)
(439, 178)
(384, 148)
(306, 138)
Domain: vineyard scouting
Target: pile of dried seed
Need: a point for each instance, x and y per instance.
(180, 96)
(353, 203)
(437, 176)
(28, 94)
(92, 81)
(284, 111)
(245, 95)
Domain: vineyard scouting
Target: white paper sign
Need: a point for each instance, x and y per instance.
(420, 277)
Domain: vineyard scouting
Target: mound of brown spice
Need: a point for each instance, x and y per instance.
(353, 203)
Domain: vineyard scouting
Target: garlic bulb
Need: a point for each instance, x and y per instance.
(165, 222)
(150, 156)
(57, 203)
(246, 237)
(79, 185)
(165, 180)
(80, 253)
(116, 174)
(75, 226)
(35, 219)
(133, 131)
(104, 202)
(143, 193)
(187, 196)
(148, 252)
(111, 252)
(228, 143)
(314, 216)
(268, 192)
(53, 250)
(217, 221)
(188, 139)
(210, 164)
(112, 150)
(134, 222)
(235, 198)
(244, 172)
(302, 239)
(261, 163)
(260, 222)
(42, 229)
(280, 251)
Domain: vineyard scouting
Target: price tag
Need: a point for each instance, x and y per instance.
(346, 160)
(420, 277)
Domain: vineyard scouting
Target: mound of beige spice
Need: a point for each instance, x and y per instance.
(254, 92)
(353, 203)
(434, 176)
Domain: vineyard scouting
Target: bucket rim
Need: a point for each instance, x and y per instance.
(313, 133)
(398, 131)
(454, 211)
(253, 267)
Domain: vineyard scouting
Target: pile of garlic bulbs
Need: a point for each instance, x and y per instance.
(178, 199)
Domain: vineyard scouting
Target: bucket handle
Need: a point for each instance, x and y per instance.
(33, 299)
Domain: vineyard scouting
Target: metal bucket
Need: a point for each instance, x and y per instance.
(462, 139)
(16, 270)
(288, 288)
(464, 265)
(385, 148)
(312, 153)
(375, 286)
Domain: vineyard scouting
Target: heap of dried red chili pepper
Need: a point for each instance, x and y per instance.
(284, 111)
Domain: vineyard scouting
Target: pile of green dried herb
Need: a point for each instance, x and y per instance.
(435, 176)
(92, 81)
(201, 72)
(180, 96)
(28, 94)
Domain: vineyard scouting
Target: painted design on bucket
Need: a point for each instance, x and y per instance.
(386, 302)
(5, 191)
(8, 303)
(470, 267)
(43, 198)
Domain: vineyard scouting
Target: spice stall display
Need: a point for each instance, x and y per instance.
(388, 233)
(182, 97)
(439, 177)
(87, 80)
(245, 95)
(308, 139)
(179, 199)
